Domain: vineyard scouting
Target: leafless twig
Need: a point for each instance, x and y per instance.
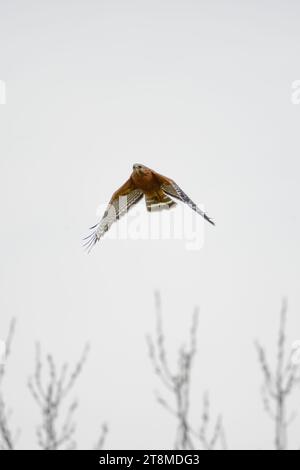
(50, 397)
(279, 384)
(102, 438)
(179, 385)
(7, 440)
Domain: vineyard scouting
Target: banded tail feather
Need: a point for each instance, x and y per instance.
(158, 201)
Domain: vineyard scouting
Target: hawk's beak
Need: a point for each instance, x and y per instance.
(137, 169)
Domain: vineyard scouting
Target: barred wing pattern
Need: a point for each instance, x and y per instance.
(174, 190)
(118, 206)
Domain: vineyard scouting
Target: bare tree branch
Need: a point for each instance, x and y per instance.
(102, 438)
(50, 398)
(179, 385)
(7, 440)
(280, 384)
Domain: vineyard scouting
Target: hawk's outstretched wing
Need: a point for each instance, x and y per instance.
(122, 200)
(172, 189)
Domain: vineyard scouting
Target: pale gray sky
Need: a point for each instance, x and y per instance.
(199, 90)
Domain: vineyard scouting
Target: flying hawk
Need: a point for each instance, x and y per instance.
(158, 191)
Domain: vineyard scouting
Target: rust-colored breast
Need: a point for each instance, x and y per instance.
(145, 181)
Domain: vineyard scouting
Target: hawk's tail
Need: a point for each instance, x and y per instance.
(158, 201)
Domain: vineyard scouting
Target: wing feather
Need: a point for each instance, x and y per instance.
(172, 189)
(121, 201)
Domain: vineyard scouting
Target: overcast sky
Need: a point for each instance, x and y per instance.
(200, 91)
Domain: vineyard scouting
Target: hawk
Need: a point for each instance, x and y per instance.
(158, 191)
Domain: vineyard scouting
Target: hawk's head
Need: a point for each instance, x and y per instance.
(140, 169)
